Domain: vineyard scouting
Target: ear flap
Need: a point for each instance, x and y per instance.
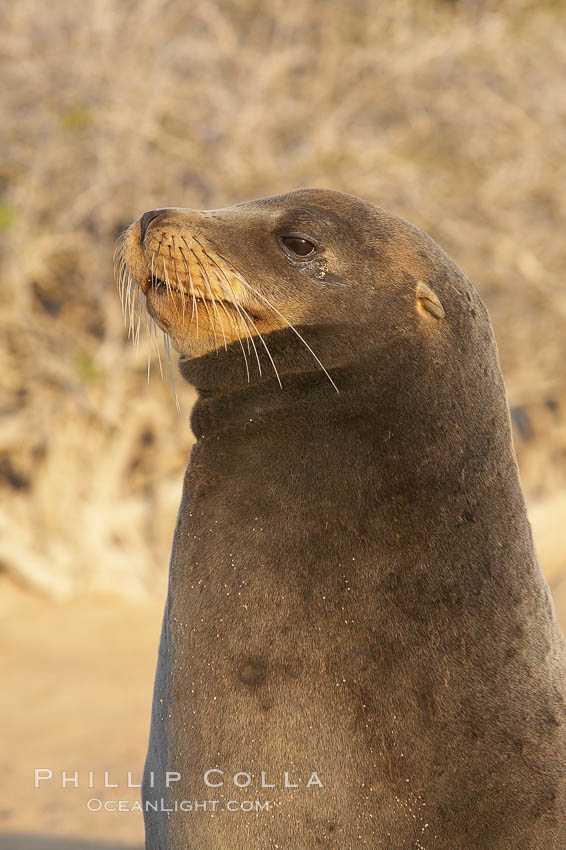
(427, 302)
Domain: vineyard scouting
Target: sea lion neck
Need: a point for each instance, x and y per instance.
(307, 397)
(395, 407)
(319, 364)
(311, 378)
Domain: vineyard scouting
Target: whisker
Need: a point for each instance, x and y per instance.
(122, 269)
(234, 300)
(159, 244)
(246, 320)
(153, 330)
(204, 299)
(133, 314)
(265, 346)
(241, 311)
(119, 246)
(131, 303)
(167, 346)
(209, 287)
(173, 258)
(239, 340)
(248, 336)
(237, 306)
(134, 309)
(194, 311)
(127, 300)
(123, 287)
(174, 265)
(141, 305)
(287, 322)
(169, 287)
(166, 277)
(191, 287)
(147, 323)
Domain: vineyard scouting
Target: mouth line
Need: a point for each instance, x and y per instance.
(161, 287)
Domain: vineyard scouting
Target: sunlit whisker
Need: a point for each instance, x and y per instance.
(257, 294)
(140, 312)
(212, 323)
(265, 346)
(134, 309)
(155, 342)
(127, 299)
(214, 307)
(249, 336)
(173, 258)
(191, 287)
(239, 339)
(167, 347)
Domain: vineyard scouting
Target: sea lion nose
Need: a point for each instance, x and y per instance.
(146, 220)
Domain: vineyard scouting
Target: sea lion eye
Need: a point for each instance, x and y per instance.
(297, 245)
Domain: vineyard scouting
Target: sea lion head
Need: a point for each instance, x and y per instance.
(310, 280)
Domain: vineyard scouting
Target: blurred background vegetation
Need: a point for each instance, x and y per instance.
(452, 114)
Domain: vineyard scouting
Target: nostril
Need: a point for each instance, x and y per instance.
(146, 220)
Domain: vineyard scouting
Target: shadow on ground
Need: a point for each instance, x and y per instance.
(22, 841)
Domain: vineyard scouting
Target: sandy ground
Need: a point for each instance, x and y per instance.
(76, 680)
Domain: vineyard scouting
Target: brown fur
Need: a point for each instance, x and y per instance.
(353, 585)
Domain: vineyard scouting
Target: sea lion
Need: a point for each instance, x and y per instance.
(354, 595)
